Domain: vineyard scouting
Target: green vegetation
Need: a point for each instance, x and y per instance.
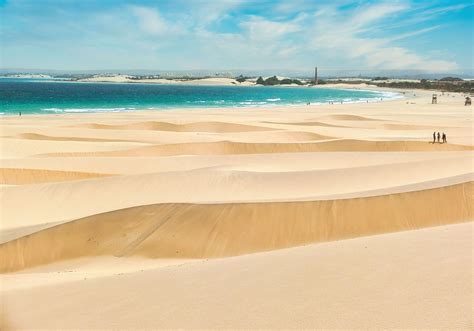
(275, 81)
(320, 82)
(448, 86)
(272, 81)
(380, 78)
(291, 81)
(241, 79)
(451, 79)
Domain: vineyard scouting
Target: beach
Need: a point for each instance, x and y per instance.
(316, 216)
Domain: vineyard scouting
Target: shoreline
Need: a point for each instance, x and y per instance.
(397, 95)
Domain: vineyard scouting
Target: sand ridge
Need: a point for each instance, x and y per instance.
(306, 287)
(219, 230)
(15, 176)
(229, 147)
(37, 136)
(215, 127)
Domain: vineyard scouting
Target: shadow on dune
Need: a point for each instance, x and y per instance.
(181, 230)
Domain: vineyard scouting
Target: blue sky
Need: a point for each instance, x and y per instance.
(236, 34)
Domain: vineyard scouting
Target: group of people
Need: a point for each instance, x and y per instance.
(437, 137)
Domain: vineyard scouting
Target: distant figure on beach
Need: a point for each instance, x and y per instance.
(445, 140)
(19, 113)
(467, 102)
(434, 137)
(439, 137)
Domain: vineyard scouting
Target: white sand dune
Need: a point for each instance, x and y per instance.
(282, 136)
(417, 279)
(16, 176)
(227, 229)
(216, 127)
(274, 162)
(309, 123)
(37, 136)
(221, 184)
(18, 148)
(229, 147)
(346, 117)
(126, 214)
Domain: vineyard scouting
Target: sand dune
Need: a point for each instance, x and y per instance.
(220, 184)
(198, 190)
(21, 148)
(14, 176)
(37, 136)
(419, 279)
(275, 162)
(229, 147)
(275, 137)
(218, 230)
(308, 123)
(346, 117)
(216, 127)
(410, 127)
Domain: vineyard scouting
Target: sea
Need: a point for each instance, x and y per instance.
(46, 96)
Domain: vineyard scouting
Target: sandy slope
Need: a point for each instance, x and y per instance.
(225, 184)
(140, 189)
(218, 230)
(18, 176)
(418, 279)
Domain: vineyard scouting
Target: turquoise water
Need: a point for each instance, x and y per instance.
(47, 96)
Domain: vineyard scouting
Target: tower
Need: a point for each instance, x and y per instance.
(315, 75)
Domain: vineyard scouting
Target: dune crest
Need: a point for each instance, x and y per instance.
(177, 230)
(16, 176)
(347, 117)
(37, 136)
(230, 147)
(214, 127)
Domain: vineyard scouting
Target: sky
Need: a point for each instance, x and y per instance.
(430, 36)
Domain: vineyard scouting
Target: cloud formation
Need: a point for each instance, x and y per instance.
(231, 34)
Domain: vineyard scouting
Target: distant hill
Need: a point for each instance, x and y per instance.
(451, 79)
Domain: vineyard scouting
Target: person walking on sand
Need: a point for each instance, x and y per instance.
(444, 138)
(434, 137)
(439, 137)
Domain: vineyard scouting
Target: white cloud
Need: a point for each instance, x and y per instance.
(260, 29)
(371, 14)
(223, 34)
(347, 38)
(151, 21)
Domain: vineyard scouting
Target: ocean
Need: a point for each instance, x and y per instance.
(44, 96)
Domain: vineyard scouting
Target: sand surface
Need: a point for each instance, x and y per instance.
(126, 215)
(420, 279)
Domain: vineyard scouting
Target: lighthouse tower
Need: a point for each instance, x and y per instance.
(315, 75)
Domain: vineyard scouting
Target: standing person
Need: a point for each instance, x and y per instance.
(439, 137)
(444, 138)
(434, 137)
